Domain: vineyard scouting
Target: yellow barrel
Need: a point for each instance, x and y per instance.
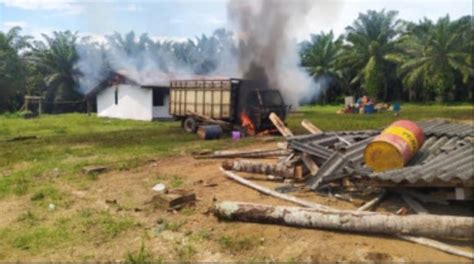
(394, 147)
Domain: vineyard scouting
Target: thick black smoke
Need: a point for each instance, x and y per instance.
(268, 50)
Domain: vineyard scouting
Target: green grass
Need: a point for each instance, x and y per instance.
(68, 142)
(38, 169)
(141, 256)
(34, 233)
(326, 118)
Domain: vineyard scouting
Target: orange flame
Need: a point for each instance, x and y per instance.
(247, 123)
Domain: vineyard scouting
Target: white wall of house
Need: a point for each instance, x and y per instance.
(133, 103)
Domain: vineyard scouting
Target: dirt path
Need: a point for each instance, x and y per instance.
(194, 234)
(244, 241)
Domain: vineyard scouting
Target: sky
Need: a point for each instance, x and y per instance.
(182, 19)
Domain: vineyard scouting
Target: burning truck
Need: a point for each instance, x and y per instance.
(239, 103)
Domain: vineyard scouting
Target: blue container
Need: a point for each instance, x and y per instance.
(396, 107)
(209, 132)
(369, 108)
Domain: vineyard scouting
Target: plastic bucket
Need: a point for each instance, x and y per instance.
(396, 107)
(236, 135)
(369, 109)
(394, 147)
(209, 132)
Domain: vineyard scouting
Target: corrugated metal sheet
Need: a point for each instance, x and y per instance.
(438, 127)
(456, 164)
(351, 158)
(445, 156)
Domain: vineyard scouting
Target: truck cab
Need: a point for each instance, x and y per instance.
(260, 103)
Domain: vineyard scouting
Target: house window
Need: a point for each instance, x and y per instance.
(116, 96)
(159, 97)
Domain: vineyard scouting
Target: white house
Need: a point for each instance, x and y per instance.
(120, 96)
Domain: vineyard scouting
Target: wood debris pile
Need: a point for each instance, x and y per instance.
(331, 164)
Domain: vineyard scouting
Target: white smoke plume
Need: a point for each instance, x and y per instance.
(264, 47)
(155, 62)
(268, 49)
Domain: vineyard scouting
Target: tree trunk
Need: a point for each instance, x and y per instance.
(260, 168)
(418, 225)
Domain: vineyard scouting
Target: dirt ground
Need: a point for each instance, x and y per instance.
(195, 234)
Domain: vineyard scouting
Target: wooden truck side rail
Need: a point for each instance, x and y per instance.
(212, 98)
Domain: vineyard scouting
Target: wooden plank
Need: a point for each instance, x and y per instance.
(370, 204)
(310, 164)
(311, 127)
(286, 132)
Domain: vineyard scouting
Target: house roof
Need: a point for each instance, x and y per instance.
(144, 79)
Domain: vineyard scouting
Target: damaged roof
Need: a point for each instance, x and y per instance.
(453, 167)
(439, 127)
(145, 79)
(445, 159)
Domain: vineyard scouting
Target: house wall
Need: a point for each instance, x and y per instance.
(133, 103)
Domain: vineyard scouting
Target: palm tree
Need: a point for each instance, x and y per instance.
(128, 50)
(57, 59)
(319, 56)
(12, 68)
(369, 39)
(432, 56)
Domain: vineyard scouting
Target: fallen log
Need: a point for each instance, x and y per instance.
(273, 193)
(280, 125)
(419, 240)
(253, 154)
(418, 225)
(426, 241)
(258, 167)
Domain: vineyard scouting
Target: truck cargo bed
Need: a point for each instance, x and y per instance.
(210, 98)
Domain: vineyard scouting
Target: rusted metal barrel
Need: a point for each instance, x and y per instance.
(394, 147)
(209, 132)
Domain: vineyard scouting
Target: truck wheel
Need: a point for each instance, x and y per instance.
(190, 125)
